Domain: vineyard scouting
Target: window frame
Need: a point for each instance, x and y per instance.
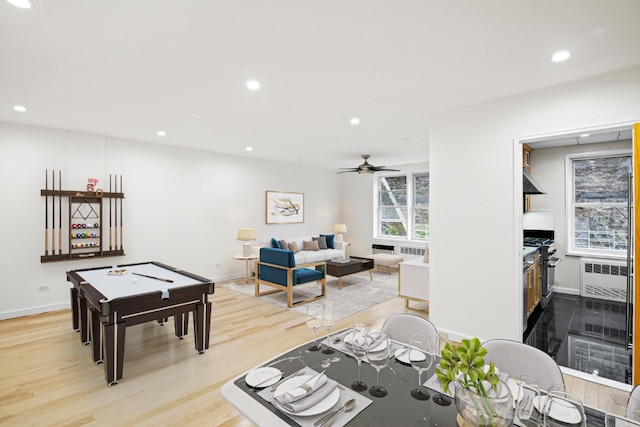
(410, 206)
(571, 248)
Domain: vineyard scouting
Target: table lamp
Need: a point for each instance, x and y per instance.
(339, 229)
(246, 235)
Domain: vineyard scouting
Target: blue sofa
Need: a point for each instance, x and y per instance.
(277, 269)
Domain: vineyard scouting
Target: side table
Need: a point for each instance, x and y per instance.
(246, 259)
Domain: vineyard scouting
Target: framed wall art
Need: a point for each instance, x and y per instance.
(284, 208)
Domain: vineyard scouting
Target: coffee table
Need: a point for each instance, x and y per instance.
(354, 265)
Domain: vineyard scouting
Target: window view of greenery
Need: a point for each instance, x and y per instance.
(601, 191)
(401, 198)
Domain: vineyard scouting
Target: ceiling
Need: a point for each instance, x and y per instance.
(127, 69)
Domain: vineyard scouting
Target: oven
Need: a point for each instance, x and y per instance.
(539, 232)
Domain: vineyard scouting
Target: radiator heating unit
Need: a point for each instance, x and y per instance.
(604, 279)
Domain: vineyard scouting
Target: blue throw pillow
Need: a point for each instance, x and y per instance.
(274, 243)
(329, 238)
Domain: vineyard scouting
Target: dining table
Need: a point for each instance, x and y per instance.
(398, 408)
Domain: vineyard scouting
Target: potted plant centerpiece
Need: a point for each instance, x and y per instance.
(481, 397)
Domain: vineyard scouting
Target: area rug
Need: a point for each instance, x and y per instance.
(358, 292)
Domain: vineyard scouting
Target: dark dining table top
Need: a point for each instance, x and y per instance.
(397, 408)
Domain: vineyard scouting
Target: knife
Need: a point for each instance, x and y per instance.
(267, 380)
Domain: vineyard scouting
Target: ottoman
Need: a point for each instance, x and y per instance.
(386, 260)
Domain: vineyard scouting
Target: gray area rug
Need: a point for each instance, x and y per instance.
(358, 292)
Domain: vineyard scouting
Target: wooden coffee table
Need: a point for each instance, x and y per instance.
(354, 265)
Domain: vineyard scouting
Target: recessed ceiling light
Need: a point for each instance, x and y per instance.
(20, 108)
(584, 135)
(161, 133)
(253, 85)
(24, 4)
(249, 148)
(355, 121)
(560, 56)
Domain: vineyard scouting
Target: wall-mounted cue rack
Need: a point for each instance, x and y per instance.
(82, 224)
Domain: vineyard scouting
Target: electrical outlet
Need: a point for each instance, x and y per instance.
(43, 288)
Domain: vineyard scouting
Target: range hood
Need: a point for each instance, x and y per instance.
(529, 185)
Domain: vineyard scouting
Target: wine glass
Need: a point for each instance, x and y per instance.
(358, 346)
(421, 359)
(528, 394)
(327, 322)
(314, 322)
(621, 406)
(378, 357)
(563, 409)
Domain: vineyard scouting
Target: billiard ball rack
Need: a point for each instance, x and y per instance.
(80, 229)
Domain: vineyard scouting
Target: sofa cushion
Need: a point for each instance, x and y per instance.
(305, 275)
(329, 238)
(293, 246)
(322, 242)
(310, 245)
(275, 244)
(283, 244)
(277, 256)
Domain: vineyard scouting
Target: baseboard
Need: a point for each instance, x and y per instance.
(568, 291)
(33, 310)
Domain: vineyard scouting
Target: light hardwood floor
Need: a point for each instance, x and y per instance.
(48, 379)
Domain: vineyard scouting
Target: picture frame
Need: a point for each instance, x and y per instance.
(284, 207)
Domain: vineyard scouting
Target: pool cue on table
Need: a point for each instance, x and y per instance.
(60, 213)
(154, 277)
(121, 242)
(46, 213)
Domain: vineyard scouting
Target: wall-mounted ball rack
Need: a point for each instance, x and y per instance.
(75, 222)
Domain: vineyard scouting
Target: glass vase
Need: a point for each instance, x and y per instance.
(496, 409)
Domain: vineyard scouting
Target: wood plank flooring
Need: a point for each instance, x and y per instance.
(47, 377)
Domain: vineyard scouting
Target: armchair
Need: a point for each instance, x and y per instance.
(277, 268)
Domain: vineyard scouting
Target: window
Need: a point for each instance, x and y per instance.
(403, 206)
(598, 198)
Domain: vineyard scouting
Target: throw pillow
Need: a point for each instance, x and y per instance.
(310, 245)
(322, 242)
(275, 244)
(329, 238)
(283, 244)
(293, 247)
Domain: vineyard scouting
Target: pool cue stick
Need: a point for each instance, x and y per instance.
(121, 241)
(154, 277)
(110, 199)
(115, 213)
(60, 213)
(46, 213)
(53, 213)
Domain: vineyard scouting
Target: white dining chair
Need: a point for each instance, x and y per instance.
(400, 327)
(517, 359)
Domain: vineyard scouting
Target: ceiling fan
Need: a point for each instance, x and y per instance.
(367, 168)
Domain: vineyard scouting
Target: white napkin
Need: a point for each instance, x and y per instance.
(305, 389)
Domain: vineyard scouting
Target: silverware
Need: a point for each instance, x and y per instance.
(295, 374)
(267, 380)
(348, 405)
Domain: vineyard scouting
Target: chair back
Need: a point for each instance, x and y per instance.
(400, 327)
(517, 359)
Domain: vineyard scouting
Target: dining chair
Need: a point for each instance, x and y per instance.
(400, 327)
(517, 359)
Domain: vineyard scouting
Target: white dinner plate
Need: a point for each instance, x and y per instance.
(404, 356)
(560, 413)
(320, 407)
(258, 375)
(348, 339)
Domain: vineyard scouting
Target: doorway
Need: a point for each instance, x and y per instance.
(587, 334)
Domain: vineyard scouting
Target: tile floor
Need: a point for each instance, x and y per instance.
(585, 334)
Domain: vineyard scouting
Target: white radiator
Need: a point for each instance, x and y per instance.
(412, 250)
(603, 279)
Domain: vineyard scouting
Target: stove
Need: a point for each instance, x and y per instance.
(539, 232)
(537, 241)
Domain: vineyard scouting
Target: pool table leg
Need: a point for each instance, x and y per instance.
(114, 334)
(96, 337)
(75, 310)
(202, 326)
(181, 323)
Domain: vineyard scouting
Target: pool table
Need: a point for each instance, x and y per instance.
(106, 300)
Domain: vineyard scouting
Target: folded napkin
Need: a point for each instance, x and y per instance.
(307, 394)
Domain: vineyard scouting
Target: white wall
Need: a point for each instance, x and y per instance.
(548, 168)
(474, 283)
(182, 207)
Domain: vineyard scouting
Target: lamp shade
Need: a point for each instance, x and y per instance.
(246, 234)
(340, 228)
